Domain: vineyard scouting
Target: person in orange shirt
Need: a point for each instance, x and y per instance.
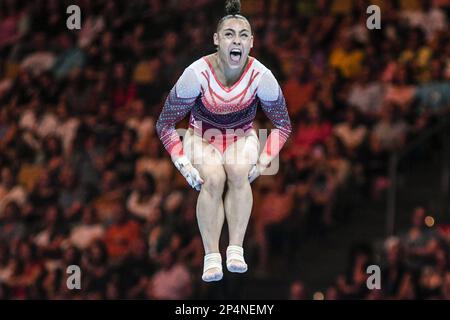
(121, 234)
(298, 91)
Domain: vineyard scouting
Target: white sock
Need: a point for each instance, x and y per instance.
(212, 260)
(236, 254)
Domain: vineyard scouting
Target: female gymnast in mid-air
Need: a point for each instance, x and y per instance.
(221, 91)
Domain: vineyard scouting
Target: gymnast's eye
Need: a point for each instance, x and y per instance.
(228, 34)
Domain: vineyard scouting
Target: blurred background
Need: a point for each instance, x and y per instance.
(364, 177)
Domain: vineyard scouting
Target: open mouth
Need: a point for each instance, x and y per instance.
(235, 55)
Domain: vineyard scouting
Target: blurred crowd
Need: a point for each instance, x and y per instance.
(85, 180)
(413, 265)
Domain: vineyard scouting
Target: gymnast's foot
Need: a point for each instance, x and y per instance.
(212, 269)
(235, 259)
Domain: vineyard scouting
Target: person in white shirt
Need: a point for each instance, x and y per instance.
(10, 191)
(143, 202)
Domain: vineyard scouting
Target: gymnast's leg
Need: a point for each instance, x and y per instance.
(239, 158)
(210, 211)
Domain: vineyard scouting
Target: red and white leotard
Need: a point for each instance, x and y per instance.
(211, 105)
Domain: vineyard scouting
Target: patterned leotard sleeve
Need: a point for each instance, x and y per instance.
(178, 104)
(274, 106)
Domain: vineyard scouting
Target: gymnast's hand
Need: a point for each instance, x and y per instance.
(258, 168)
(188, 171)
(255, 172)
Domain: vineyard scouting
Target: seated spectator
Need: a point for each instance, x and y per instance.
(160, 168)
(136, 267)
(338, 165)
(45, 192)
(126, 157)
(52, 234)
(10, 191)
(366, 96)
(26, 270)
(313, 129)
(72, 195)
(298, 89)
(12, 228)
(420, 242)
(399, 91)
(110, 193)
(351, 132)
(89, 160)
(123, 91)
(53, 153)
(434, 96)
(51, 280)
(142, 124)
(390, 131)
(95, 266)
(395, 268)
(172, 281)
(143, 202)
(346, 57)
(427, 16)
(88, 230)
(71, 256)
(67, 128)
(121, 234)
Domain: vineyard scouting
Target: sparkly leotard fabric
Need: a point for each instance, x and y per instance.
(213, 106)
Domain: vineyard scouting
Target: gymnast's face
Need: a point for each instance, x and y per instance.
(234, 40)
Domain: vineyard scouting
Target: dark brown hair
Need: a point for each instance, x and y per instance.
(232, 10)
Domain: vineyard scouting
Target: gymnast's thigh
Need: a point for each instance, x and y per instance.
(203, 156)
(244, 152)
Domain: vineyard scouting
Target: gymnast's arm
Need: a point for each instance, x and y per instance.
(177, 105)
(274, 106)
